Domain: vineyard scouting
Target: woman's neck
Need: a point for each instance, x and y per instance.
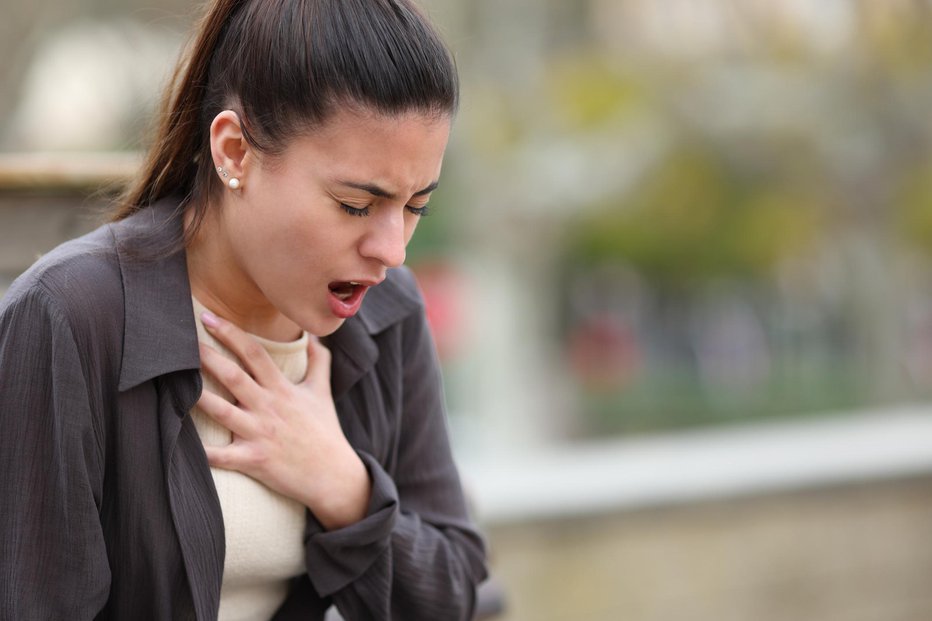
(219, 283)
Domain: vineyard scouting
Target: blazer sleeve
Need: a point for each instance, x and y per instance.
(53, 561)
(416, 555)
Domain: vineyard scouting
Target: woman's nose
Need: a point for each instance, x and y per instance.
(386, 239)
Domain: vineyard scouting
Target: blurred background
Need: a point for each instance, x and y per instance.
(678, 271)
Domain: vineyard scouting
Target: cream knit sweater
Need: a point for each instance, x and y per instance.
(264, 530)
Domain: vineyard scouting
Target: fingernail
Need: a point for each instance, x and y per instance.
(210, 320)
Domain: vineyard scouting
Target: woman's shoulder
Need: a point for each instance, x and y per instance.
(85, 276)
(77, 274)
(76, 287)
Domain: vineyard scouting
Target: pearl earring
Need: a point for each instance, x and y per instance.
(234, 183)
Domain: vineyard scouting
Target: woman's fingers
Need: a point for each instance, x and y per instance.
(240, 423)
(318, 364)
(231, 376)
(231, 457)
(247, 349)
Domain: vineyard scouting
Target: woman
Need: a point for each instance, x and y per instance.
(226, 402)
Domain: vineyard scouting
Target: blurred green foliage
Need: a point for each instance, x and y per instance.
(694, 217)
(586, 93)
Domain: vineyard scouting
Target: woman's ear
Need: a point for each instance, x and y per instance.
(229, 148)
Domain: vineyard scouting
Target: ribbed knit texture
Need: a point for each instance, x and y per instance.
(264, 530)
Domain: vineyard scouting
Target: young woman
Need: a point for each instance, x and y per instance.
(226, 402)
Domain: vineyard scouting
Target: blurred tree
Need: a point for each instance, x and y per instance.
(694, 218)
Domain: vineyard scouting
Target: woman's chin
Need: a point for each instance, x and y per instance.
(326, 327)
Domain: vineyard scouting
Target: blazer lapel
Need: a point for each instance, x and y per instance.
(160, 345)
(194, 503)
(353, 354)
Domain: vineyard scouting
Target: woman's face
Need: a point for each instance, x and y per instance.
(312, 229)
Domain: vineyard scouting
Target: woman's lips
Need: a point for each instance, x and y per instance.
(346, 298)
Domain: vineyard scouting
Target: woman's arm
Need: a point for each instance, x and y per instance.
(53, 560)
(424, 554)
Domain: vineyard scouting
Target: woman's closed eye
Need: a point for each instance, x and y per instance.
(354, 211)
(421, 211)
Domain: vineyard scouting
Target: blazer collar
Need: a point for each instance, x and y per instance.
(159, 334)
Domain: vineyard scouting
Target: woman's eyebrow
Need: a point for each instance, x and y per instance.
(375, 190)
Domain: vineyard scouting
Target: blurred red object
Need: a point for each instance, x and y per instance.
(604, 352)
(445, 290)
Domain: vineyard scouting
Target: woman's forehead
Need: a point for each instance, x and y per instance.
(350, 143)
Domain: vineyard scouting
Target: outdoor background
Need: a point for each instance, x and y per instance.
(696, 231)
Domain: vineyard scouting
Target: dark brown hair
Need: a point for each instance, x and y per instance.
(285, 66)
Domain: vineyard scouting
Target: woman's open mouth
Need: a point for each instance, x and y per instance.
(346, 297)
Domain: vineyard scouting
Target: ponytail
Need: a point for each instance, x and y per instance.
(174, 161)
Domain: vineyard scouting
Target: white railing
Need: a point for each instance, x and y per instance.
(43, 171)
(604, 476)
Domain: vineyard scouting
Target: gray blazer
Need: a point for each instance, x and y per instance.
(107, 505)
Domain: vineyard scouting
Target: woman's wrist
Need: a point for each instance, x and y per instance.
(342, 497)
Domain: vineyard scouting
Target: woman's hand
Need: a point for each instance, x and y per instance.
(286, 436)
